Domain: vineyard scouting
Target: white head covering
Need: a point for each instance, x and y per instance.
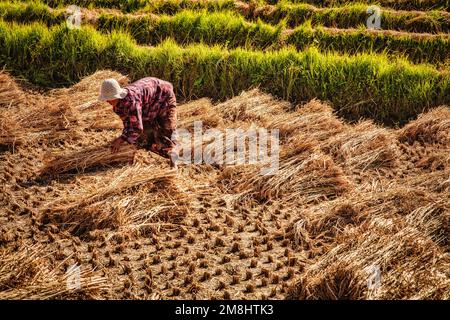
(111, 90)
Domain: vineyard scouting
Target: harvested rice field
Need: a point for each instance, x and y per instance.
(358, 206)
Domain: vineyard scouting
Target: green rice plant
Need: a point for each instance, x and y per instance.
(225, 28)
(347, 16)
(125, 6)
(395, 4)
(231, 30)
(171, 7)
(432, 49)
(363, 85)
(157, 6)
(32, 11)
(352, 15)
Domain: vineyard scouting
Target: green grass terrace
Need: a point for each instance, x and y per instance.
(232, 30)
(389, 90)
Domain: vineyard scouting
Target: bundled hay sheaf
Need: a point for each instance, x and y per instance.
(29, 274)
(88, 158)
(320, 226)
(10, 93)
(411, 265)
(11, 133)
(49, 114)
(85, 93)
(130, 200)
(436, 161)
(438, 181)
(252, 106)
(199, 110)
(341, 222)
(339, 283)
(362, 147)
(429, 127)
(314, 119)
(304, 174)
(45, 120)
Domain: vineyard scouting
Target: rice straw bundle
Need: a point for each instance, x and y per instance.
(339, 283)
(131, 214)
(198, 110)
(146, 210)
(433, 220)
(88, 158)
(430, 127)
(52, 114)
(11, 132)
(363, 147)
(50, 120)
(10, 93)
(318, 226)
(27, 274)
(131, 200)
(252, 106)
(100, 117)
(438, 181)
(411, 265)
(85, 93)
(124, 179)
(305, 174)
(314, 119)
(231, 141)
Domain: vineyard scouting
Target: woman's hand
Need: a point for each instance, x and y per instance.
(115, 144)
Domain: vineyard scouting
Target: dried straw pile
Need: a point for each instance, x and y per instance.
(10, 92)
(199, 110)
(46, 120)
(412, 266)
(129, 199)
(28, 273)
(252, 106)
(430, 127)
(88, 158)
(363, 146)
(314, 119)
(305, 175)
(51, 114)
(317, 227)
(10, 132)
(85, 93)
(344, 199)
(100, 117)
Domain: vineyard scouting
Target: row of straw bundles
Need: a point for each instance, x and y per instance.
(88, 158)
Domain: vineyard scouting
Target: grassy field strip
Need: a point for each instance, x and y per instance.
(395, 4)
(347, 16)
(166, 6)
(132, 5)
(234, 31)
(231, 30)
(416, 47)
(351, 16)
(385, 89)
